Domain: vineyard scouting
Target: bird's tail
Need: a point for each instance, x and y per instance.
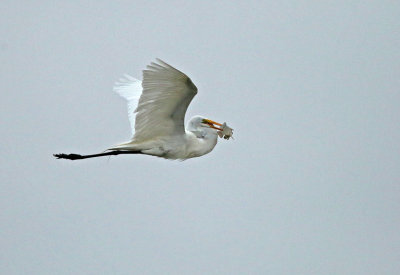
(128, 146)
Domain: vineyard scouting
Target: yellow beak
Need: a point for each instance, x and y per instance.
(212, 124)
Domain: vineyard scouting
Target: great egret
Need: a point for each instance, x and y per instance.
(156, 109)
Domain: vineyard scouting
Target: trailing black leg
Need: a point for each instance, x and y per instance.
(77, 156)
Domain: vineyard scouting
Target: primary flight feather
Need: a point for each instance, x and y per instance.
(156, 109)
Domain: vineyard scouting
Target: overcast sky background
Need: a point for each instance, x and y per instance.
(310, 185)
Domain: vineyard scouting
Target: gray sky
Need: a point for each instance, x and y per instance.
(310, 185)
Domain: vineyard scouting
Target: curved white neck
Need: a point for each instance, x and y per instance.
(202, 142)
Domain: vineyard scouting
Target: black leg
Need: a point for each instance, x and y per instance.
(77, 156)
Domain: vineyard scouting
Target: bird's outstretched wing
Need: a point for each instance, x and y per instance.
(130, 88)
(167, 93)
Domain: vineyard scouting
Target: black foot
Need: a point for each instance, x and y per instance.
(68, 156)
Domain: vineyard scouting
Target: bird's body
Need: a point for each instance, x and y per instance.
(156, 109)
(173, 147)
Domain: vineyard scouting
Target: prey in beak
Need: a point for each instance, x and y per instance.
(224, 131)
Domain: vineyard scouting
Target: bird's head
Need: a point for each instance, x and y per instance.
(202, 127)
(201, 123)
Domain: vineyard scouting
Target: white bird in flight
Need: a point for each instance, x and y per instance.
(156, 109)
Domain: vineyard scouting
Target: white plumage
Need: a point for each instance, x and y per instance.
(156, 110)
(130, 88)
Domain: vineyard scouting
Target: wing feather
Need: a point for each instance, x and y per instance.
(129, 88)
(167, 93)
